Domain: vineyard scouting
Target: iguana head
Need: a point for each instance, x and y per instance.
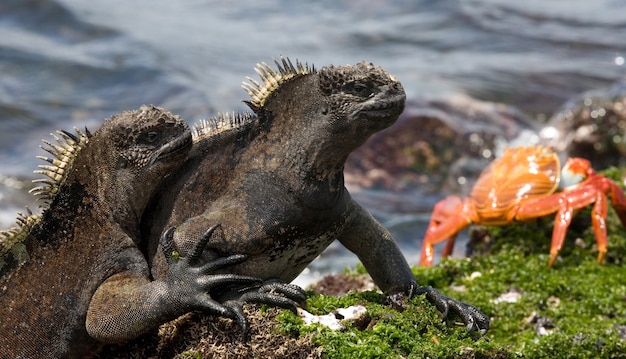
(148, 140)
(136, 150)
(362, 91)
(365, 96)
(326, 113)
(119, 166)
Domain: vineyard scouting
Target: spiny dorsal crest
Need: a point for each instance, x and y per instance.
(63, 154)
(24, 224)
(13, 252)
(220, 123)
(273, 79)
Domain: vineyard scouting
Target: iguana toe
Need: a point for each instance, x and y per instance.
(272, 292)
(272, 287)
(236, 309)
(471, 316)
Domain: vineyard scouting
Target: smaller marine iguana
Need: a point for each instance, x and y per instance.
(274, 181)
(74, 277)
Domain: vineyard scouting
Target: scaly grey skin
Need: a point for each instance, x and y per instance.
(274, 181)
(83, 280)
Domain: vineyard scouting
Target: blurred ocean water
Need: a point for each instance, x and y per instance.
(69, 63)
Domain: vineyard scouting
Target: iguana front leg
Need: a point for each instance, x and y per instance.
(128, 304)
(382, 258)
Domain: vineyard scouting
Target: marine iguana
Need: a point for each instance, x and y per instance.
(74, 275)
(274, 180)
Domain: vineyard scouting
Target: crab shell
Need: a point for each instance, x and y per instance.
(520, 174)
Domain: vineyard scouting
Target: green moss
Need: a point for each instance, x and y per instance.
(386, 333)
(585, 301)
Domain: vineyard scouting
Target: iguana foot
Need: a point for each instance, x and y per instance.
(191, 281)
(273, 292)
(471, 316)
(396, 297)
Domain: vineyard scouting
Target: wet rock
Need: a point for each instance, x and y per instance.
(512, 296)
(543, 325)
(592, 126)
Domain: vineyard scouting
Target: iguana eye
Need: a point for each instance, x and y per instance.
(150, 137)
(358, 89)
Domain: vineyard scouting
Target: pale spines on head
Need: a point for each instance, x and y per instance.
(63, 152)
(220, 123)
(272, 79)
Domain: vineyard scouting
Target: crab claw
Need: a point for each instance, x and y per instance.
(448, 218)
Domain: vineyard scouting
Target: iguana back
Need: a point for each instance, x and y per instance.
(95, 193)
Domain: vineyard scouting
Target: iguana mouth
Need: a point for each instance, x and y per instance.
(180, 144)
(380, 108)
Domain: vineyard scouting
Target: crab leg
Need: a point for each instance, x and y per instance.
(598, 220)
(450, 215)
(564, 204)
(562, 220)
(618, 200)
(447, 250)
(596, 190)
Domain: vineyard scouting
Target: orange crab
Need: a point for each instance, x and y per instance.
(526, 183)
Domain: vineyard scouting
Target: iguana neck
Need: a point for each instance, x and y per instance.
(307, 163)
(112, 197)
(294, 140)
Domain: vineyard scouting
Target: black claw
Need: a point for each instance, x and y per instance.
(197, 250)
(236, 309)
(216, 280)
(467, 318)
(270, 299)
(217, 309)
(482, 321)
(290, 291)
(222, 262)
(277, 293)
(473, 318)
(273, 292)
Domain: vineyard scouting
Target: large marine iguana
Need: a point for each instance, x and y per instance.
(74, 276)
(274, 180)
